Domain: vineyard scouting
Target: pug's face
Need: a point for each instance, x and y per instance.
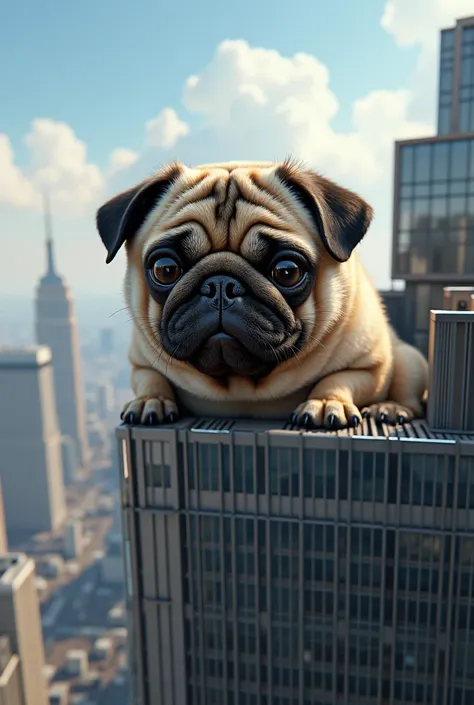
(226, 259)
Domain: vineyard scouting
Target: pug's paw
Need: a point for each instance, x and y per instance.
(389, 412)
(331, 414)
(149, 411)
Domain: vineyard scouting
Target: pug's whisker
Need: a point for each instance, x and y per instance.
(119, 310)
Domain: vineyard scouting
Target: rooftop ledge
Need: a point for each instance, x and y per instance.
(417, 430)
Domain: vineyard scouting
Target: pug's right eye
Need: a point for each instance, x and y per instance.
(165, 271)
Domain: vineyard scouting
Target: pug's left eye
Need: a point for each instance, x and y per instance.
(166, 271)
(287, 273)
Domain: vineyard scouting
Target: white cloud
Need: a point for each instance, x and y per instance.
(412, 23)
(121, 158)
(14, 186)
(58, 163)
(165, 129)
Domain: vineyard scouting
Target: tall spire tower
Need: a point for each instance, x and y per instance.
(56, 327)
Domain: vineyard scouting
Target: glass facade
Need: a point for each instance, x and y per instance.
(434, 232)
(302, 570)
(446, 82)
(466, 87)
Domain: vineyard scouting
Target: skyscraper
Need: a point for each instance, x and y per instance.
(106, 341)
(266, 565)
(30, 442)
(56, 327)
(21, 640)
(433, 228)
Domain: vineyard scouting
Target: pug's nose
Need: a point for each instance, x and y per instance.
(221, 291)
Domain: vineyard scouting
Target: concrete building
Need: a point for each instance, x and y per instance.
(272, 566)
(20, 623)
(394, 302)
(105, 399)
(56, 327)
(73, 539)
(112, 562)
(433, 228)
(70, 461)
(31, 460)
(10, 675)
(106, 341)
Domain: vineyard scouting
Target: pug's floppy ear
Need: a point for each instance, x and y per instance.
(341, 216)
(119, 218)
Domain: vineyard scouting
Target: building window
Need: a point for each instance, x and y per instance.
(435, 232)
(284, 471)
(466, 483)
(368, 476)
(157, 464)
(319, 473)
(243, 469)
(425, 479)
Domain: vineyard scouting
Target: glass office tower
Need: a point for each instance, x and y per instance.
(433, 229)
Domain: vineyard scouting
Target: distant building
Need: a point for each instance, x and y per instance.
(77, 663)
(112, 562)
(73, 539)
(59, 693)
(265, 564)
(105, 399)
(394, 302)
(433, 229)
(106, 341)
(56, 327)
(10, 675)
(31, 460)
(70, 461)
(20, 622)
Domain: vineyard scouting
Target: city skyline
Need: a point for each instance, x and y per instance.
(325, 101)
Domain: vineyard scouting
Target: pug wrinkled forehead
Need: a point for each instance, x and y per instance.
(236, 207)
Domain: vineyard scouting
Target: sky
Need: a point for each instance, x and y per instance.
(96, 95)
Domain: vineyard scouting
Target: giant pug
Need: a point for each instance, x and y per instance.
(247, 299)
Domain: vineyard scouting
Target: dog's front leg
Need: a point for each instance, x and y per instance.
(154, 401)
(336, 400)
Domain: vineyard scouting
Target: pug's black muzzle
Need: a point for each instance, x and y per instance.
(226, 328)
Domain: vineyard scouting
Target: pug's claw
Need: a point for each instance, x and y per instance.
(152, 418)
(332, 421)
(354, 421)
(150, 411)
(390, 412)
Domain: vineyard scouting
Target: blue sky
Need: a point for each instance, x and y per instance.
(107, 66)
(81, 81)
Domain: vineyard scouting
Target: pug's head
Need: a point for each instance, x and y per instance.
(225, 261)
